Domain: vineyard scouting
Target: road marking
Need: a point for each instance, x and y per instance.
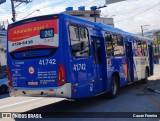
(19, 103)
(38, 104)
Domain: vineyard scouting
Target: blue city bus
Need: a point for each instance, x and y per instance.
(64, 56)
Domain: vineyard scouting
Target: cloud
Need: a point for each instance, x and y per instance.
(129, 20)
(124, 13)
(2, 10)
(45, 7)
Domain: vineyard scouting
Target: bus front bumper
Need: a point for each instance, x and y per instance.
(61, 91)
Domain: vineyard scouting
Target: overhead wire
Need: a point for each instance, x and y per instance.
(131, 10)
(139, 13)
(47, 6)
(105, 15)
(124, 12)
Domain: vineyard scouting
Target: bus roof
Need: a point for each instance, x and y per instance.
(107, 28)
(87, 23)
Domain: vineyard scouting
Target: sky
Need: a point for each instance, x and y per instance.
(128, 15)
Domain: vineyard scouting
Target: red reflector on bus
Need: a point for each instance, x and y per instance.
(61, 75)
(55, 17)
(74, 90)
(9, 77)
(51, 90)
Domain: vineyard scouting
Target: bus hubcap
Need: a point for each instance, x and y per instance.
(114, 87)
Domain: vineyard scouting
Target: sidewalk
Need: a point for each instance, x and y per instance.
(154, 81)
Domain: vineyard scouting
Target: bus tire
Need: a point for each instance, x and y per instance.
(145, 80)
(3, 89)
(114, 87)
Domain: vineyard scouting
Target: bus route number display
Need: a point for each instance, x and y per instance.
(47, 33)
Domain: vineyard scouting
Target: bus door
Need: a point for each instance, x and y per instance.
(150, 50)
(97, 53)
(129, 59)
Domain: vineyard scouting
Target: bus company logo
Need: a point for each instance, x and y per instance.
(31, 70)
(16, 115)
(6, 115)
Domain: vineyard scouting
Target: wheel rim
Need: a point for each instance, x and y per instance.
(114, 87)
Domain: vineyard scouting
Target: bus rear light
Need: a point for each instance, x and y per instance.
(9, 77)
(51, 90)
(61, 75)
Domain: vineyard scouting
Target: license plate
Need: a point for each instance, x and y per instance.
(33, 83)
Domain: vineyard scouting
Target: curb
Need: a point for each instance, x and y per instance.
(152, 90)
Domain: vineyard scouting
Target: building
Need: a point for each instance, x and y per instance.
(3, 38)
(89, 15)
(3, 34)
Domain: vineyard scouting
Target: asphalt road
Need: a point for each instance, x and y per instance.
(132, 98)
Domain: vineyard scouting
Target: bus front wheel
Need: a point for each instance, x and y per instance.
(114, 87)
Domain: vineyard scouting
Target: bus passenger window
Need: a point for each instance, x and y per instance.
(154, 48)
(144, 49)
(109, 45)
(79, 41)
(114, 45)
(135, 48)
(139, 48)
(97, 50)
(118, 45)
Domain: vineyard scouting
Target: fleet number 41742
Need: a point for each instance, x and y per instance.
(47, 62)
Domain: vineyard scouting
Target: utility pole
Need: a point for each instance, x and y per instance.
(95, 15)
(14, 7)
(13, 11)
(143, 28)
(95, 8)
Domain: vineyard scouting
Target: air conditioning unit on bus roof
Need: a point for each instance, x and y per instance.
(69, 9)
(113, 1)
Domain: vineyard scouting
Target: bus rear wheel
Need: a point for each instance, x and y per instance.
(146, 77)
(114, 87)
